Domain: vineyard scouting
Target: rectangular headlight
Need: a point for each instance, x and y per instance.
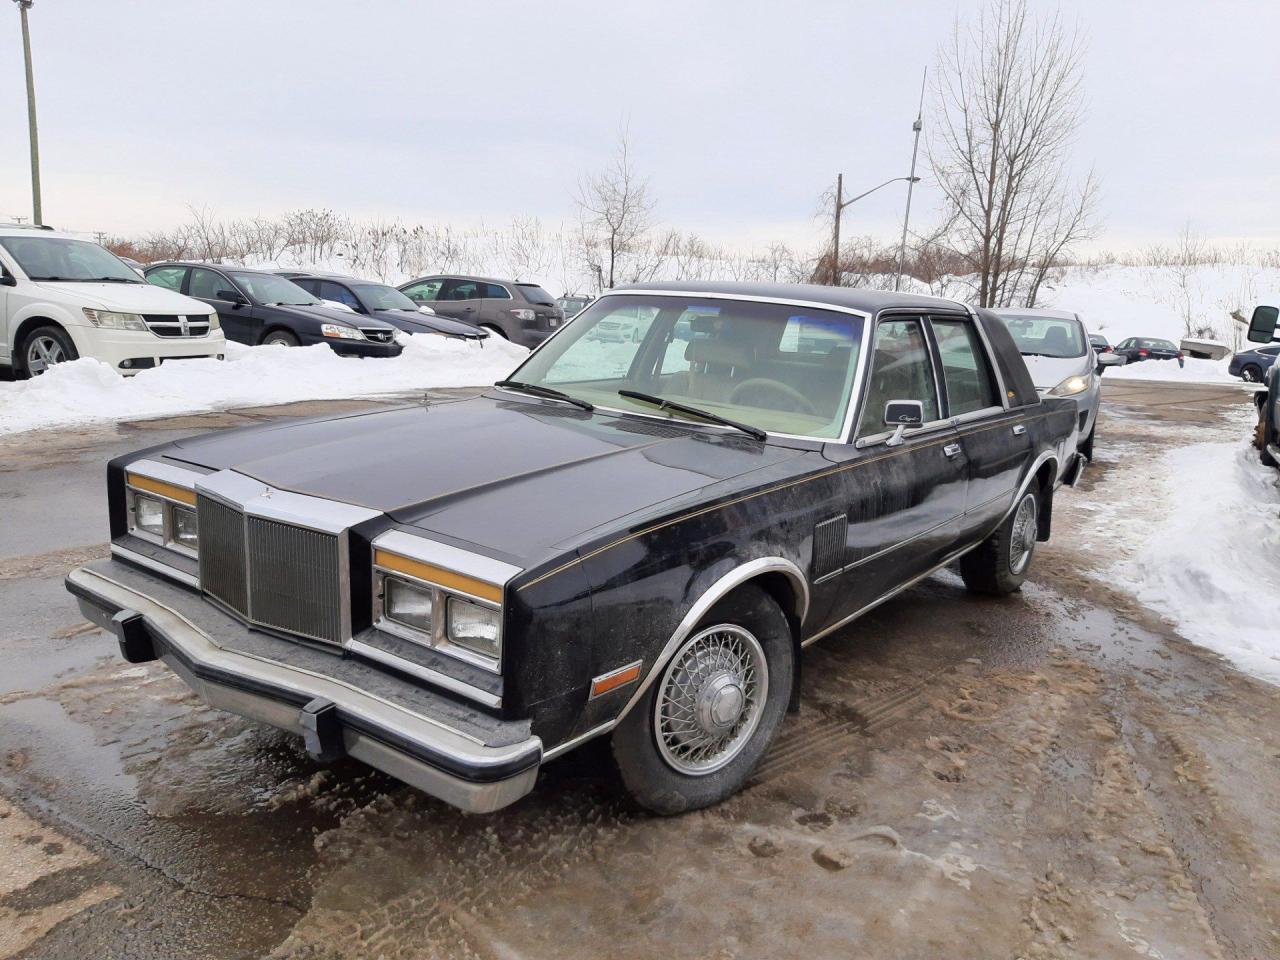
(474, 627)
(148, 514)
(408, 604)
(185, 528)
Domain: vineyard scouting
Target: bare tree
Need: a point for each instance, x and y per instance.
(1010, 104)
(615, 212)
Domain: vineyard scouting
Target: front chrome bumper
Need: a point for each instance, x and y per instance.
(333, 714)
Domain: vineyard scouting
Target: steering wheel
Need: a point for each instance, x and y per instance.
(796, 399)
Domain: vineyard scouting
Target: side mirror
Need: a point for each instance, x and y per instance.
(1109, 360)
(233, 296)
(903, 413)
(1262, 328)
(8, 280)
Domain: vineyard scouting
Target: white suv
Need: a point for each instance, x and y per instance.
(63, 298)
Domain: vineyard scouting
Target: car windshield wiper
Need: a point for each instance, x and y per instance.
(662, 404)
(113, 280)
(541, 391)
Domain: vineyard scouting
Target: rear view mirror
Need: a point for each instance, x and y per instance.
(1109, 360)
(1262, 328)
(903, 413)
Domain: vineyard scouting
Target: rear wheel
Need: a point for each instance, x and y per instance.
(45, 347)
(494, 331)
(698, 732)
(1251, 373)
(280, 338)
(1000, 563)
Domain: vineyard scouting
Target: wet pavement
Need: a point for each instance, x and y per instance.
(1053, 774)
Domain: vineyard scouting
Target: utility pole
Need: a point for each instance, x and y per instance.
(37, 214)
(915, 147)
(841, 203)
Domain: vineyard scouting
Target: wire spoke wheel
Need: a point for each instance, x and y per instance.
(1022, 540)
(710, 699)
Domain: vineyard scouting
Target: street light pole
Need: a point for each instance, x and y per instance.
(37, 213)
(915, 148)
(841, 203)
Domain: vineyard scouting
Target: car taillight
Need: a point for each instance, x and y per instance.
(1180, 356)
(1144, 353)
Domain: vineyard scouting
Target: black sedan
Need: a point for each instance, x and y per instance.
(256, 307)
(370, 298)
(633, 542)
(1136, 349)
(1099, 343)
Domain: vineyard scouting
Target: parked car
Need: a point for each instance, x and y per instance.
(1251, 366)
(1062, 362)
(523, 313)
(1264, 327)
(704, 508)
(62, 298)
(1136, 349)
(257, 307)
(1099, 343)
(384, 302)
(624, 325)
(573, 304)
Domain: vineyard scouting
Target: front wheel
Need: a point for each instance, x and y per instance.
(45, 347)
(701, 728)
(1268, 434)
(280, 338)
(999, 564)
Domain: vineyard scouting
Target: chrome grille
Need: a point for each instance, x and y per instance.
(271, 573)
(295, 580)
(378, 334)
(172, 325)
(222, 572)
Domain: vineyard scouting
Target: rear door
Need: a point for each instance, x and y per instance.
(995, 439)
(461, 299)
(213, 288)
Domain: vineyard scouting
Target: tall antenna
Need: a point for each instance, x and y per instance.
(915, 148)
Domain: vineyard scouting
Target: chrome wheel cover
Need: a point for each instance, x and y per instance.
(710, 699)
(43, 353)
(1022, 539)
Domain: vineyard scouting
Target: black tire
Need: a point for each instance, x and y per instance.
(279, 338)
(649, 772)
(1268, 434)
(29, 366)
(996, 566)
(1087, 447)
(1251, 373)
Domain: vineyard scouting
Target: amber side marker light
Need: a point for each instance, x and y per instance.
(172, 491)
(617, 678)
(457, 582)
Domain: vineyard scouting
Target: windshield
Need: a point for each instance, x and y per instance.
(379, 296)
(1046, 336)
(781, 368)
(58, 258)
(270, 289)
(535, 294)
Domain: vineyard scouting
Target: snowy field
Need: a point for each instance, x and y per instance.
(89, 391)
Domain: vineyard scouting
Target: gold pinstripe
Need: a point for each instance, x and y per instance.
(781, 486)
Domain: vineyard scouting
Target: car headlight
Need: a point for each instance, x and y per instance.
(185, 528)
(341, 331)
(408, 604)
(148, 514)
(154, 516)
(474, 627)
(213, 322)
(111, 320)
(1076, 383)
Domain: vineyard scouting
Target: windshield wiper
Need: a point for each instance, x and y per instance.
(541, 391)
(662, 404)
(113, 280)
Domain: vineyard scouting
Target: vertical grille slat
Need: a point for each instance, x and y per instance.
(829, 538)
(271, 573)
(222, 573)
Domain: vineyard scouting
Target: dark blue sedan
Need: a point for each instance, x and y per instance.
(1250, 365)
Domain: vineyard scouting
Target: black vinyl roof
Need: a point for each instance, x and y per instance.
(852, 298)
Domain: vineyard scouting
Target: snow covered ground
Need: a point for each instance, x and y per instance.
(87, 391)
(1195, 371)
(1210, 562)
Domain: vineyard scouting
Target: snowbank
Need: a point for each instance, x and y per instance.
(1212, 564)
(1195, 371)
(87, 390)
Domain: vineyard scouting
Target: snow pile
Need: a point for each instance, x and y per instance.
(1211, 563)
(1195, 371)
(86, 390)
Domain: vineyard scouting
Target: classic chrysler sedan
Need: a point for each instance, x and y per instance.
(632, 539)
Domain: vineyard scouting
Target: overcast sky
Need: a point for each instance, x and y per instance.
(740, 113)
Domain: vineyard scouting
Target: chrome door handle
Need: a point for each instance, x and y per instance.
(1019, 430)
(951, 449)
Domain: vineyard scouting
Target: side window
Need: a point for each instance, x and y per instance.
(336, 291)
(965, 370)
(900, 370)
(461, 290)
(168, 277)
(424, 292)
(493, 291)
(207, 285)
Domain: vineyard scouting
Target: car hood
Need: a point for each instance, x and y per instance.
(330, 315)
(429, 323)
(1048, 372)
(521, 479)
(125, 297)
